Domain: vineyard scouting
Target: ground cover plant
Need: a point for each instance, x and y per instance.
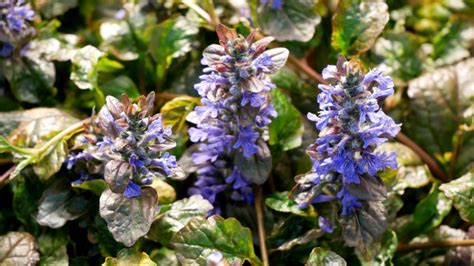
(201, 132)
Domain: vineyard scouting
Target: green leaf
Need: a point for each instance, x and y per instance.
(461, 192)
(107, 65)
(365, 229)
(128, 219)
(31, 78)
(52, 246)
(52, 161)
(35, 129)
(84, 73)
(164, 256)
(120, 85)
(166, 192)
(292, 227)
(117, 174)
(286, 130)
(411, 173)
(428, 214)
(357, 24)
(60, 204)
(294, 21)
(129, 256)
(170, 39)
(50, 9)
(174, 112)
(25, 191)
(34, 125)
(398, 53)
(168, 223)
(106, 242)
(257, 167)
(385, 253)
(307, 237)
(280, 201)
(435, 113)
(199, 238)
(449, 47)
(18, 248)
(119, 40)
(51, 49)
(97, 186)
(323, 257)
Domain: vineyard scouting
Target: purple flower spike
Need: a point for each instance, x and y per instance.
(127, 146)
(352, 125)
(235, 112)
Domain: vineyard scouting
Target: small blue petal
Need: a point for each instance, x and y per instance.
(133, 190)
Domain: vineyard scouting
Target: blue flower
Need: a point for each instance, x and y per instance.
(135, 161)
(348, 201)
(246, 141)
(254, 99)
(237, 180)
(166, 163)
(72, 158)
(7, 50)
(133, 190)
(156, 131)
(325, 224)
(18, 15)
(15, 18)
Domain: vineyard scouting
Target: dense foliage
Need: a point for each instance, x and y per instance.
(200, 132)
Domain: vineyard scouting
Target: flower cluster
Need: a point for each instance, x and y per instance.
(15, 29)
(128, 147)
(236, 109)
(351, 125)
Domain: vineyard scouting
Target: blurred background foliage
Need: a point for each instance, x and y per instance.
(85, 50)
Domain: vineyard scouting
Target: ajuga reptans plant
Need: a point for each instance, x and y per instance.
(345, 159)
(127, 147)
(15, 28)
(231, 125)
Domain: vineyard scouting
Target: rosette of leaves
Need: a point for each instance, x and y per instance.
(128, 148)
(232, 124)
(345, 170)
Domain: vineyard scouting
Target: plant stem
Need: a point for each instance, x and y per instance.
(209, 6)
(201, 12)
(99, 96)
(261, 226)
(75, 128)
(424, 156)
(436, 244)
(7, 174)
(303, 66)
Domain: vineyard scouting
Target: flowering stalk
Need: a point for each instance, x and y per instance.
(231, 125)
(351, 125)
(15, 29)
(128, 147)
